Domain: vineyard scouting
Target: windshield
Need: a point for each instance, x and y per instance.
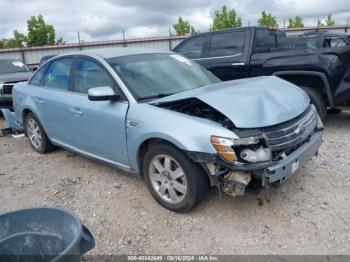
(155, 75)
(12, 66)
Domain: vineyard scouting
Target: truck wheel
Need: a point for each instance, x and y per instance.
(318, 100)
(175, 182)
(36, 134)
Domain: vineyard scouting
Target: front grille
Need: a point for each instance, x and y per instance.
(7, 88)
(292, 133)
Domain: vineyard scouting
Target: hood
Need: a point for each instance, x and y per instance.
(252, 102)
(15, 77)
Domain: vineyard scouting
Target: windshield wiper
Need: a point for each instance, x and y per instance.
(160, 95)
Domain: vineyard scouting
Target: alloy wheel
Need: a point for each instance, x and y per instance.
(34, 133)
(168, 179)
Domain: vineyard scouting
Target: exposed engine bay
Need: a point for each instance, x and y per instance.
(196, 107)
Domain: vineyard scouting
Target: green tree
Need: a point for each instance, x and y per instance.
(39, 33)
(226, 19)
(267, 20)
(329, 21)
(319, 23)
(183, 27)
(60, 41)
(18, 40)
(296, 23)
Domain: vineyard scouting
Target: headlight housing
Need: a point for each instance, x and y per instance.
(224, 146)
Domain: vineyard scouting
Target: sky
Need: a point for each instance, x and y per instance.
(105, 19)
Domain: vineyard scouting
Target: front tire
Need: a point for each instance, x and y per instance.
(176, 183)
(36, 134)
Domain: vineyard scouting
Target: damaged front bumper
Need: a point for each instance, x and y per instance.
(233, 179)
(289, 166)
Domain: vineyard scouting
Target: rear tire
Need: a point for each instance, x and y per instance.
(318, 100)
(36, 135)
(175, 182)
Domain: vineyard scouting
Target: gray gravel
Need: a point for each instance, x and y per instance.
(307, 215)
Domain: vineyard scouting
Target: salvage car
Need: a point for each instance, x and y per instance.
(323, 73)
(12, 71)
(169, 121)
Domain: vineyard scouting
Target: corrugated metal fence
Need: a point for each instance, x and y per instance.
(32, 55)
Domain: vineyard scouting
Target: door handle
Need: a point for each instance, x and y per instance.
(38, 101)
(76, 111)
(238, 64)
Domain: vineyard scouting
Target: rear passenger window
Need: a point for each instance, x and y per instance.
(88, 75)
(192, 48)
(38, 76)
(58, 74)
(265, 39)
(226, 44)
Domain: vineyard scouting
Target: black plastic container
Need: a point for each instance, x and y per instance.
(42, 235)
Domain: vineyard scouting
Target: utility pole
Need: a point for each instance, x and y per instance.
(124, 43)
(170, 44)
(79, 41)
(347, 25)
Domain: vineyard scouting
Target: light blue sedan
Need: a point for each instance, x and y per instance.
(166, 119)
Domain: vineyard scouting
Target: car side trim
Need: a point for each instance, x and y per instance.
(313, 73)
(216, 57)
(93, 157)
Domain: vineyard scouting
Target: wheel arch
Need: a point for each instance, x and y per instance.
(25, 112)
(311, 79)
(146, 144)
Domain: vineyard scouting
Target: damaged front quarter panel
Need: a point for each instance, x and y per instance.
(254, 132)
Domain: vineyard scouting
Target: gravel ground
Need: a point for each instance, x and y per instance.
(307, 215)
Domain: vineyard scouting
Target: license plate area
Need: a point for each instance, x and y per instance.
(295, 166)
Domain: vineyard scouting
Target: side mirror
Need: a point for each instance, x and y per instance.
(103, 93)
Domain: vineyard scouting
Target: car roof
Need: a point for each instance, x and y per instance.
(107, 53)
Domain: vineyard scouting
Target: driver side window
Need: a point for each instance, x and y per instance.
(88, 75)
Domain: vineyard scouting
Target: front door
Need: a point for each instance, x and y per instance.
(99, 126)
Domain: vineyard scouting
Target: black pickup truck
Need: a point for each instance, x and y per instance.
(324, 73)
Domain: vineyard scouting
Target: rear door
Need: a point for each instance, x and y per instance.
(226, 54)
(98, 126)
(52, 97)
